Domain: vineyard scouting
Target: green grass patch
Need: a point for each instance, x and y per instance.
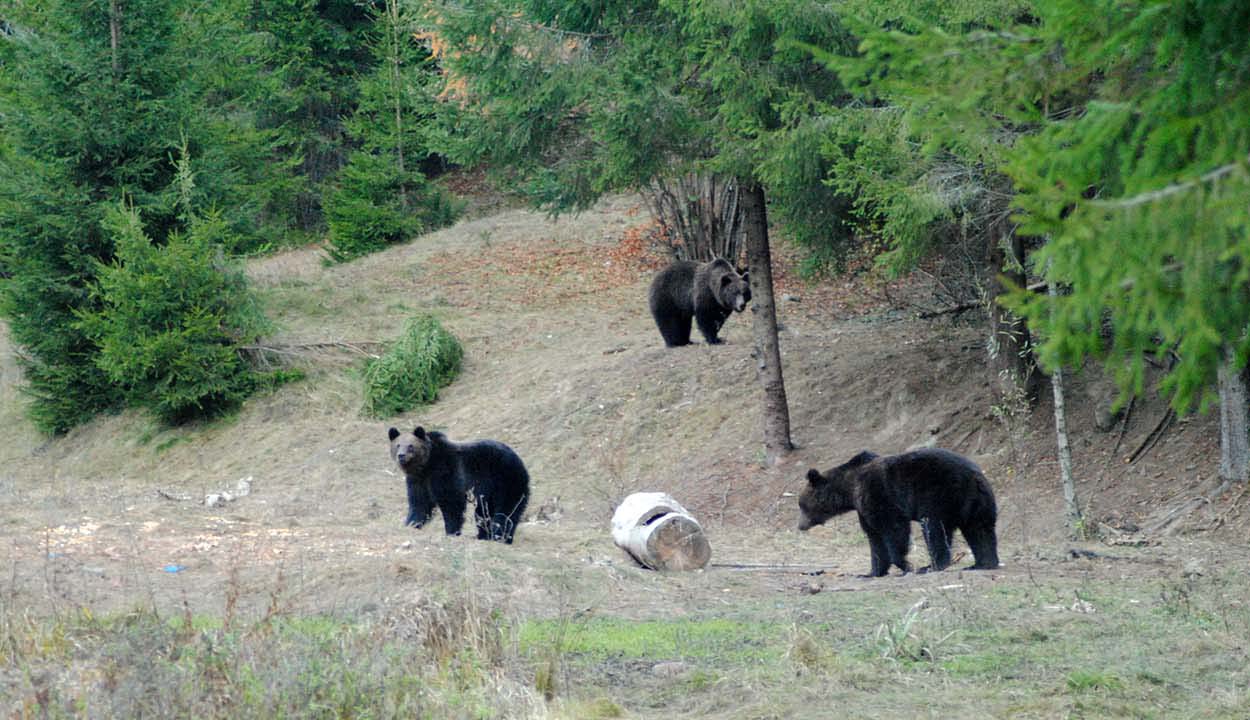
(599, 638)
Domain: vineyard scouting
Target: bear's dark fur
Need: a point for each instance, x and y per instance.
(706, 292)
(940, 489)
(440, 472)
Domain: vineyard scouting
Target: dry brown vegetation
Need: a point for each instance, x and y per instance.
(564, 364)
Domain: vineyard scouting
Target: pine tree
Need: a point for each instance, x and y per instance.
(1143, 193)
(316, 52)
(922, 149)
(96, 98)
(574, 100)
(381, 196)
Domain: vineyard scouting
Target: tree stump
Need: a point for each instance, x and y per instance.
(658, 532)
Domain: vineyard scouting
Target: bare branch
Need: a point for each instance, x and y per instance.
(1173, 189)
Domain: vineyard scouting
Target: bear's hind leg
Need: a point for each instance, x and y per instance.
(674, 328)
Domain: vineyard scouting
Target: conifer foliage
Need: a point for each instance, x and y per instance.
(96, 98)
(169, 318)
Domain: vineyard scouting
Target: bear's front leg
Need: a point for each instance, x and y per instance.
(880, 556)
(897, 538)
(709, 324)
(420, 504)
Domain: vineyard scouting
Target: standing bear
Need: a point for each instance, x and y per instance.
(942, 490)
(440, 473)
(707, 292)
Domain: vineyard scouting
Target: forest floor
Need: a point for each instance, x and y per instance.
(563, 363)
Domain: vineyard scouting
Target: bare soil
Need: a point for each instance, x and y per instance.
(564, 364)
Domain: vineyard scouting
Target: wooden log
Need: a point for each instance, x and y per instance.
(658, 532)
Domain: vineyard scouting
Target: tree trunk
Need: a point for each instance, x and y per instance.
(395, 40)
(115, 32)
(1072, 509)
(1011, 359)
(1234, 442)
(767, 352)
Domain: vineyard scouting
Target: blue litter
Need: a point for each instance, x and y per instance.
(175, 568)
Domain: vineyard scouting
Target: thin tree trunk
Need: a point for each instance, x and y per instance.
(1011, 359)
(115, 32)
(395, 38)
(1072, 509)
(764, 324)
(1234, 441)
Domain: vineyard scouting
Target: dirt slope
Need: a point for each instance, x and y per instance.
(564, 364)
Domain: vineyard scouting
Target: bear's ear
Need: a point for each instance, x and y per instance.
(392, 433)
(725, 280)
(815, 478)
(863, 458)
(419, 432)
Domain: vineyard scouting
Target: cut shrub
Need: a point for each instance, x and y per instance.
(425, 359)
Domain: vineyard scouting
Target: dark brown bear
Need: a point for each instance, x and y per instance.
(707, 292)
(941, 490)
(439, 473)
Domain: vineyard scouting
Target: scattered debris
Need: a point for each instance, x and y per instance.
(549, 511)
(1083, 606)
(242, 489)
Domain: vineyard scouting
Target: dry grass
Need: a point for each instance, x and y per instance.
(308, 597)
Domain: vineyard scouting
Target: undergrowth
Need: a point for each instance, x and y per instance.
(425, 660)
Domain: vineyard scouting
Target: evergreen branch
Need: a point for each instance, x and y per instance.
(1173, 189)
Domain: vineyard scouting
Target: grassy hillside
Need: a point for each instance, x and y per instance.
(124, 594)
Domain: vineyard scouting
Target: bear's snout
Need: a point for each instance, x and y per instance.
(805, 523)
(740, 303)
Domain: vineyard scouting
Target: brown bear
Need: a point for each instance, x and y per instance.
(942, 490)
(706, 292)
(439, 473)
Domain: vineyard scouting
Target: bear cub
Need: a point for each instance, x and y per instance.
(440, 473)
(942, 490)
(706, 292)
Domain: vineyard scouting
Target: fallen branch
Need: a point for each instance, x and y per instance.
(1176, 514)
(302, 349)
(1153, 437)
(962, 307)
(773, 567)
(1128, 412)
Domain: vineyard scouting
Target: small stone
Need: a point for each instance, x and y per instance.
(813, 587)
(213, 500)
